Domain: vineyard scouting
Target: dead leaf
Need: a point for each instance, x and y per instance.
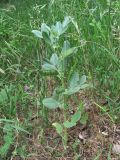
(116, 148)
(81, 137)
(105, 133)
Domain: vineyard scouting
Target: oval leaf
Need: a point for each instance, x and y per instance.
(58, 127)
(66, 46)
(72, 90)
(48, 66)
(74, 80)
(68, 52)
(82, 80)
(37, 33)
(68, 124)
(54, 59)
(50, 103)
(76, 117)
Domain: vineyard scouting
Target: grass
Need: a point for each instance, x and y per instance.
(97, 34)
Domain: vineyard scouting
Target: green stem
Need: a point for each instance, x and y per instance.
(65, 136)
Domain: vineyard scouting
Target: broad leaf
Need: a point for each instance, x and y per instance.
(54, 31)
(54, 59)
(84, 118)
(46, 38)
(37, 33)
(76, 84)
(82, 80)
(58, 28)
(65, 24)
(50, 103)
(68, 52)
(58, 127)
(74, 90)
(66, 46)
(74, 80)
(76, 117)
(84, 86)
(68, 124)
(71, 91)
(48, 67)
(45, 28)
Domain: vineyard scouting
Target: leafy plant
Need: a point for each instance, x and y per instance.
(8, 139)
(58, 63)
(9, 129)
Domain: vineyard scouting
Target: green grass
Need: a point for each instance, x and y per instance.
(98, 38)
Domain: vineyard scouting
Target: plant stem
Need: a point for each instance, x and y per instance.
(65, 136)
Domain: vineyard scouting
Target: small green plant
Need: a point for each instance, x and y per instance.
(58, 63)
(8, 139)
(9, 129)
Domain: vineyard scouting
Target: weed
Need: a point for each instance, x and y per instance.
(58, 63)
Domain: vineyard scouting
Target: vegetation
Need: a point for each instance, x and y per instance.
(60, 79)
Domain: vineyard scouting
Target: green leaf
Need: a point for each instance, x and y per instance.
(76, 84)
(82, 80)
(75, 24)
(50, 103)
(74, 80)
(72, 90)
(84, 118)
(2, 71)
(81, 107)
(68, 124)
(58, 127)
(54, 59)
(59, 28)
(66, 46)
(48, 66)
(76, 117)
(84, 86)
(37, 33)
(45, 28)
(46, 38)
(68, 52)
(3, 96)
(8, 140)
(65, 24)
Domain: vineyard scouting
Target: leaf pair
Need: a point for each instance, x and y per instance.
(67, 124)
(74, 119)
(53, 63)
(56, 63)
(76, 83)
(67, 51)
(51, 34)
(60, 28)
(51, 103)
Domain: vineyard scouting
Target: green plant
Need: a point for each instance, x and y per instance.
(8, 139)
(58, 64)
(10, 128)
